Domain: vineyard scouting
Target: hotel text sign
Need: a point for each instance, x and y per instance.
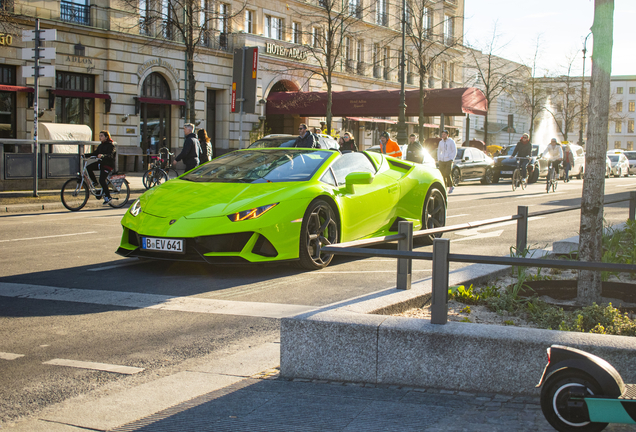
(158, 62)
(282, 51)
(6, 39)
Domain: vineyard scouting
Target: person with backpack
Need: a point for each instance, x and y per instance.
(191, 148)
(206, 147)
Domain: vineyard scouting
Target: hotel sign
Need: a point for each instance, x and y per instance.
(158, 62)
(281, 51)
(6, 39)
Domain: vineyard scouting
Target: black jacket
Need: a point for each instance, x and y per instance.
(310, 140)
(414, 152)
(523, 150)
(107, 149)
(349, 146)
(190, 152)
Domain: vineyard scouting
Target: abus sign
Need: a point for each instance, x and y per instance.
(282, 51)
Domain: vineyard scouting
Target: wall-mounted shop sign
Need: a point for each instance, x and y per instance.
(158, 62)
(358, 103)
(281, 51)
(6, 39)
(84, 61)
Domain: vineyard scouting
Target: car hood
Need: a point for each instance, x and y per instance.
(180, 198)
(505, 160)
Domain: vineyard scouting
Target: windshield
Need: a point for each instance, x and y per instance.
(273, 142)
(260, 166)
(613, 158)
(630, 155)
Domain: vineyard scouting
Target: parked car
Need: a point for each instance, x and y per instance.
(578, 168)
(280, 204)
(631, 157)
(608, 167)
(505, 164)
(472, 164)
(620, 164)
(286, 140)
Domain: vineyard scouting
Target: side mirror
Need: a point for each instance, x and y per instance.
(355, 178)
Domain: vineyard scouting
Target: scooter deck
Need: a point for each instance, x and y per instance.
(609, 410)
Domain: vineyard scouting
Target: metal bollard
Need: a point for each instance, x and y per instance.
(632, 205)
(522, 229)
(439, 300)
(405, 265)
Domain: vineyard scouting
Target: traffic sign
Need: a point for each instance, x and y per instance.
(45, 71)
(45, 53)
(48, 34)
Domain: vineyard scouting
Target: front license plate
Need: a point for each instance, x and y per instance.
(506, 172)
(163, 245)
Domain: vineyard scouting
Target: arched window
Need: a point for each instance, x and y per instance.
(156, 86)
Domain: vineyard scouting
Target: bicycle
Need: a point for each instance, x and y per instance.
(75, 191)
(517, 179)
(161, 171)
(551, 180)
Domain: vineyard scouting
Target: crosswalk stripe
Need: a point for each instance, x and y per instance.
(153, 301)
(126, 370)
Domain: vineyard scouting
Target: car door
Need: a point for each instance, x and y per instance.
(480, 163)
(369, 207)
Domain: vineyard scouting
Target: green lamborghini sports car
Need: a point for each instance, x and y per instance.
(260, 205)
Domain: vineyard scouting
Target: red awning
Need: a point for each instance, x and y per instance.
(372, 120)
(79, 94)
(160, 101)
(379, 103)
(12, 88)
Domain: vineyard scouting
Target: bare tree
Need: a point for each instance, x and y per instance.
(493, 74)
(195, 23)
(532, 92)
(8, 20)
(429, 44)
(591, 229)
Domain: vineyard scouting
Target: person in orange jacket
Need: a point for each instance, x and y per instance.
(388, 146)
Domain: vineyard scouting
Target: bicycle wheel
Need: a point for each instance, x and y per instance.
(145, 179)
(554, 185)
(524, 183)
(74, 194)
(172, 173)
(119, 198)
(157, 177)
(516, 179)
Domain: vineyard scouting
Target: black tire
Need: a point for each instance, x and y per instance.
(456, 176)
(319, 228)
(433, 213)
(535, 175)
(495, 178)
(487, 179)
(619, 172)
(73, 196)
(516, 179)
(580, 174)
(119, 198)
(154, 178)
(555, 395)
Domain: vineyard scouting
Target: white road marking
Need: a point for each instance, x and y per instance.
(153, 301)
(9, 356)
(126, 370)
(454, 216)
(479, 235)
(538, 195)
(626, 185)
(126, 263)
(46, 237)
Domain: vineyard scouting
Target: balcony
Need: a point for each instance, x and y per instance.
(377, 72)
(410, 78)
(74, 13)
(350, 65)
(382, 19)
(362, 68)
(387, 74)
(355, 11)
(216, 40)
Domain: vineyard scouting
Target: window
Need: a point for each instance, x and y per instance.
(427, 19)
(449, 30)
(144, 15)
(249, 22)
(630, 145)
(386, 55)
(297, 34)
(619, 127)
(360, 51)
(351, 162)
(224, 18)
(451, 72)
(75, 11)
(619, 106)
(166, 15)
(347, 48)
(619, 90)
(617, 144)
(407, 16)
(7, 103)
(631, 107)
(316, 37)
(75, 110)
(382, 17)
(355, 9)
(632, 90)
(204, 21)
(630, 126)
(273, 27)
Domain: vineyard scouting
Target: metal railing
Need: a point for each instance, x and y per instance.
(441, 256)
(71, 12)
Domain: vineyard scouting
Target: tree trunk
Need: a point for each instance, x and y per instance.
(421, 113)
(591, 230)
(329, 104)
(191, 87)
(486, 128)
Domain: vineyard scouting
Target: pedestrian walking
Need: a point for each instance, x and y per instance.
(388, 146)
(206, 146)
(446, 152)
(191, 148)
(568, 162)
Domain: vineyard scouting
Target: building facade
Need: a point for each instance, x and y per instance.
(623, 104)
(122, 66)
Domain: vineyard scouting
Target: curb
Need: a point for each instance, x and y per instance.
(92, 203)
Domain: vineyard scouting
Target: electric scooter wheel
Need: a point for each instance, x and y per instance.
(557, 406)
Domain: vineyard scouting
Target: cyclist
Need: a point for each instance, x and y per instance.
(523, 150)
(105, 152)
(554, 155)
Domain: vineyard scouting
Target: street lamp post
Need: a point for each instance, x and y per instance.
(581, 143)
(401, 135)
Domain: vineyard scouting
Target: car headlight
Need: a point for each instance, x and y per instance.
(251, 213)
(135, 209)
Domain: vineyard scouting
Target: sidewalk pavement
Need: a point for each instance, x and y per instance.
(24, 201)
